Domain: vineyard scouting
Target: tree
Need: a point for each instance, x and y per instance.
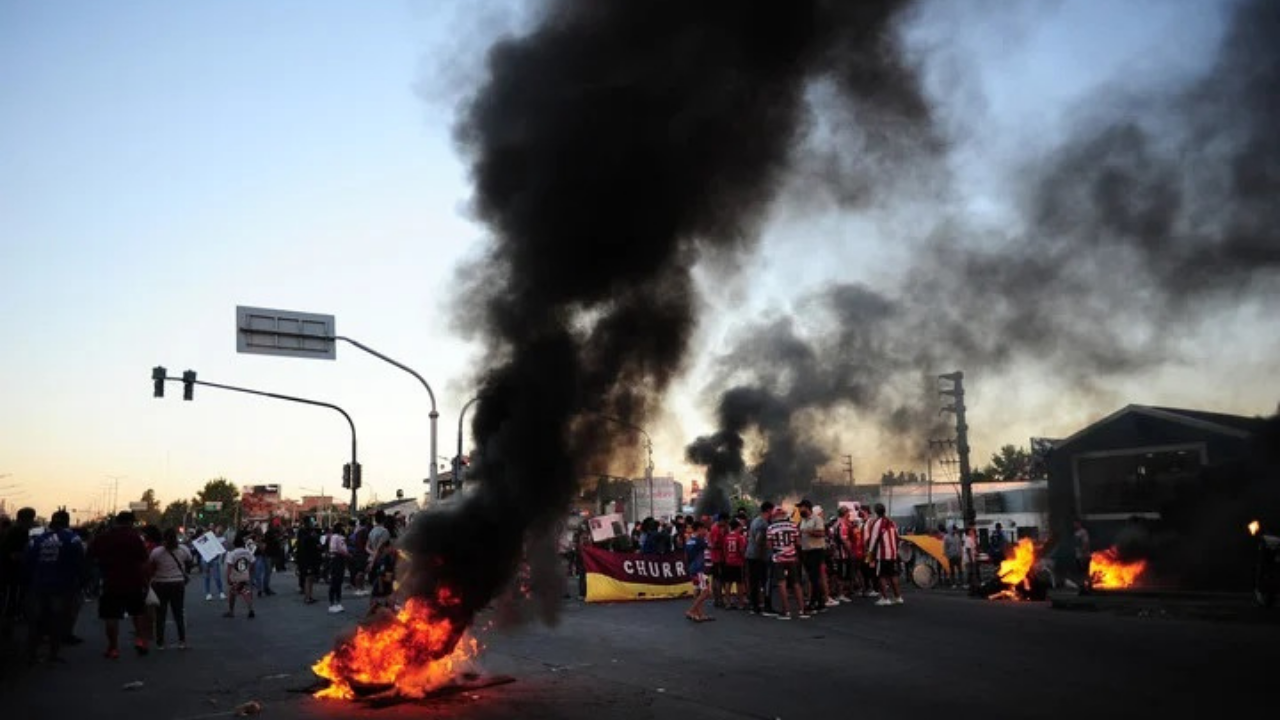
(175, 514)
(222, 491)
(1011, 463)
(150, 516)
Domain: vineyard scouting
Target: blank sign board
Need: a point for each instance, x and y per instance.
(262, 331)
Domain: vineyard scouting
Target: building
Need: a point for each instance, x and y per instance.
(1175, 486)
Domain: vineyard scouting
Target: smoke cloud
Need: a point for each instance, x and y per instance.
(1157, 214)
(611, 148)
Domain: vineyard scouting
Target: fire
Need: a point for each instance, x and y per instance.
(1254, 527)
(1107, 570)
(1015, 569)
(416, 651)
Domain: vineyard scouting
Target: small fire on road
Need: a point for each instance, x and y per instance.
(1015, 572)
(1108, 571)
(412, 653)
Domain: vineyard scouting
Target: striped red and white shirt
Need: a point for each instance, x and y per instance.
(882, 538)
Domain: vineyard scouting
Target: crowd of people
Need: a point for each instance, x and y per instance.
(141, 572)
(742, 563)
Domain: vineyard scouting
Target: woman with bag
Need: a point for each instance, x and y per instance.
(168, 565)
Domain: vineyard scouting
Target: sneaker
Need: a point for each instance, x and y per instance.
(885, 601)
(222, 596)
(771, 613)
(832, 602)
(897, 601)
(805, 616)
(160, 647)
(361, 593)
(183, 646)
(252, 615)
(335, 609)
(782, 617)
(112, 654)
(208, 596)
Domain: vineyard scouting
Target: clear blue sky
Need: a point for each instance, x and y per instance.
(162, 162)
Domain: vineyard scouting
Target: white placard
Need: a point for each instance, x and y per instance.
(607, 527)
(209, 547)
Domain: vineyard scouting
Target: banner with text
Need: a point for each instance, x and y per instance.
(615, 577)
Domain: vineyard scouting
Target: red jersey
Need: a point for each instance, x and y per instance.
(883, 539)
(715, 543)
(735, 548)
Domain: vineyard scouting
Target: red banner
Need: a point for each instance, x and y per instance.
(612, 577)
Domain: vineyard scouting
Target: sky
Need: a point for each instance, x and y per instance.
(162, 163)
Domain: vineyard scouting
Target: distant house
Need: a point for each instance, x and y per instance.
(1138, 461)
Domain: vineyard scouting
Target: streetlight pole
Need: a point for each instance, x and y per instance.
(457, 459)
(435, 415)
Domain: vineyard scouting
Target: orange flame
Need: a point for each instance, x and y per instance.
(1015, 569)
(1254, 527)
(416, 651)
(1107, 570)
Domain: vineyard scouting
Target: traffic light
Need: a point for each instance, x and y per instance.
(188, 384)
(158, 375)
(351, 476)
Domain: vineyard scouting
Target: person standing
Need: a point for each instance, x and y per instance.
(953, 548)
(212, 570)
(695, 557)
(758, 563)
(882, 546)
(1083, 553)
(972, 572)
(239, 581)
(339, 555)
(784, 547)
(813, 545)
(122, 555)
(308, 559)
(14, 571)
(55, 559)
(169, 579)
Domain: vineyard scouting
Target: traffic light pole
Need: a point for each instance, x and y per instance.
(189, 378)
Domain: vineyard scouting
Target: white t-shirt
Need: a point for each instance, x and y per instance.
(378, 537)
(239, 561)
(970, 549)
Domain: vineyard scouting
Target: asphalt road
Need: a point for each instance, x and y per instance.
(940, 653)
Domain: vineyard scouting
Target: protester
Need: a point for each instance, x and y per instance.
(212, 570)
(784, 545)
(122, 555)
(13, 571)
(169, 578)
(695, 555)
(239, 565)
(54, 559)
(338, 558)
(882, 547)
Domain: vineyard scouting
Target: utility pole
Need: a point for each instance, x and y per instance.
(848, 468)
(457, 459)
(962, 443)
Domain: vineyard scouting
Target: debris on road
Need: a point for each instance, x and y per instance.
(253, 707)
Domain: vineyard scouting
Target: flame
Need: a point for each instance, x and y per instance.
(1254, 527)
(1014, 570)
(417, 650)
(1107, 570)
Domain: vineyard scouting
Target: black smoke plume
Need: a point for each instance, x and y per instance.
(1156, 215)
(611, 147)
